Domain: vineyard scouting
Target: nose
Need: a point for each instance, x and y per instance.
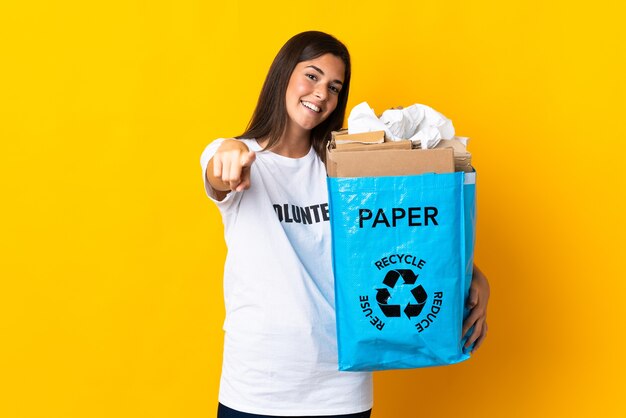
(321, 92)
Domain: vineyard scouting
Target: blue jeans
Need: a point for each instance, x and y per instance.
(226, 412)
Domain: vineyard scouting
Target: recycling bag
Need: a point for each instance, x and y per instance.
(402, 259)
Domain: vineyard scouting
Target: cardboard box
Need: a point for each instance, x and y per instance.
(388, 159)
(462, 158)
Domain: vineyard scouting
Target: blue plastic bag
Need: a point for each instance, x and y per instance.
(402, 259)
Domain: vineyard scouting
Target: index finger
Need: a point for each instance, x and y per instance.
(248, 159)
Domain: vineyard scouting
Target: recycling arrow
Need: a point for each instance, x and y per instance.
(390, 280)
(390, 310)
(420, 296)
(413, 310)
(392, 276)
(382, 295)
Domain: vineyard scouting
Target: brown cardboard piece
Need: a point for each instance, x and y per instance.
(462, 158)
(404, 144)
(384, 162)
(342, 137)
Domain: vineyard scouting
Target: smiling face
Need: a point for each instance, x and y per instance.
(313, 92)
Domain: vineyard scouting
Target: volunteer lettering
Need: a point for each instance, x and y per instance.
(302, 215)
(410, 216)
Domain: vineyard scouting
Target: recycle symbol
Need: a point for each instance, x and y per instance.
(419, 294)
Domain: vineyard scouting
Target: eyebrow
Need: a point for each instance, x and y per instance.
(322, 73)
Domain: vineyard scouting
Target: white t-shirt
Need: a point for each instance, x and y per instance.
(280, 346)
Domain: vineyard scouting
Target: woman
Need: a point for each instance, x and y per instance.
(280, 350)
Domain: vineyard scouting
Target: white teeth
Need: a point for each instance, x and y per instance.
(311, 106)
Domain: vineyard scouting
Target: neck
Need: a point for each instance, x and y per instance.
(295, 143)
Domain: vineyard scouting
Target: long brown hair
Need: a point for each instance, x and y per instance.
(269, 119)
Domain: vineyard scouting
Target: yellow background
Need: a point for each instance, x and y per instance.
(111, 255)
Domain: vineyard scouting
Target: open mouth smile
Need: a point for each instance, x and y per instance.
(311, 106)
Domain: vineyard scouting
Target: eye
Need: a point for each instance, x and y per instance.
(334, 89)
(311, 76)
